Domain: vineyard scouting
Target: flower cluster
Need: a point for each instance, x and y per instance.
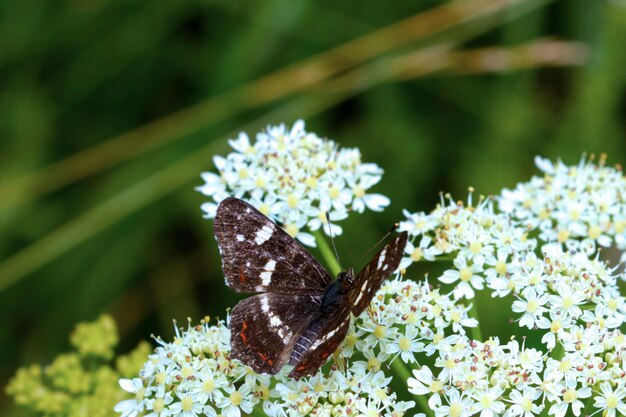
(579, 206)
(560, 291)
(294, 177)
(194, 375)
(490, 378)
(479, 241)
(81, 382)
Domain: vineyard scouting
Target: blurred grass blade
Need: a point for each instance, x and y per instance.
(280, 84)
(536, 54)
(182, 172)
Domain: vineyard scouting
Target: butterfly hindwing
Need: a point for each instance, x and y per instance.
(320, 340)
(259, 256)
(371, 278)
(265, 327)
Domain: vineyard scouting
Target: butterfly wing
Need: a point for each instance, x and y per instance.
(371, 278)
(265, 327)
(320, 340)
(259, 256)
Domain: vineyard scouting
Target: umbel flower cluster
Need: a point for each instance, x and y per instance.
(194, 375)
(295, 178)
(83, 382)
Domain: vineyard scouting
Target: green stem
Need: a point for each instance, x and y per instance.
(401, 370)
(475, 331)
(327, 252)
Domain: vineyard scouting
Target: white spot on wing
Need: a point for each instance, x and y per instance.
(266, 276)
(265, 305)
(381, 259)
(361, 292)
(275, 321)
(240, 238)
(264, 233)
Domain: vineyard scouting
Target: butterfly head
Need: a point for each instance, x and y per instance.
(346, 279)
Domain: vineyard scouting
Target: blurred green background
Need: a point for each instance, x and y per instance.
(111, 109)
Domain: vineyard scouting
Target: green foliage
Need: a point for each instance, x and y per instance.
(82, 382)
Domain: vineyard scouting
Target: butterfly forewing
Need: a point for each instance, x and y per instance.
(370, 279)
(259, 256)
(320, 340)
(265, 327)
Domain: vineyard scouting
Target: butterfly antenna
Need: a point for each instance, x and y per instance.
(382, 239)
(332, 239)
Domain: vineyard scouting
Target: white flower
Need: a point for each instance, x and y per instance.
(524, 403)
(532, 307)
(611, 400)
(293, 177)
(467, 275)
(131, 408)
(425, 383)
(406, 345)
(569, 396)
(488, 402)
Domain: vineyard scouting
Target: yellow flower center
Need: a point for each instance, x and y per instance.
(265, 209)
(373, 364)
(160, 378)
(466, 274)
(562, 236)
(565, 365)
(570, 396)
(186, 372)
(501, 267)
(292, 229)
(574, 214)
(243, 174)
(556, 325)
(311, 182)
(260, 182)
(475, 247)
(417, 254)
(292, 201)
(208, 386)
(358, 192)
(235, 398)
(594, 232)
(380, 332)
(532, 306)
(404, 344)
(456, 410)
(186, 403)
(568, 302)
(333, 192)
(436, 386)
(158, 405)
(527, 405)
(612, 401)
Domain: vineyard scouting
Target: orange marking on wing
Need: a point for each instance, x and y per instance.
(263, 357)
(242, 277)
(300, 368)
(271, 362)
(244, 338)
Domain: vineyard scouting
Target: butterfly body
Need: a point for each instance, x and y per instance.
(300, 315)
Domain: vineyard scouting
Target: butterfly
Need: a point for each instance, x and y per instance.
(300, 315)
